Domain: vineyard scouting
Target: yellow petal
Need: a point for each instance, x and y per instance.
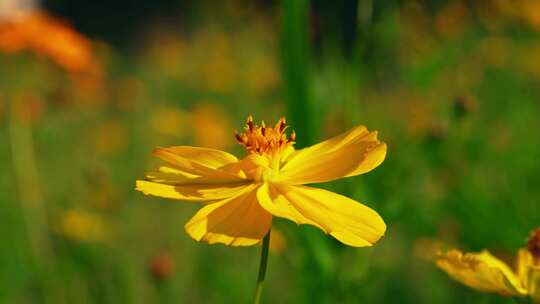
(237, 221)
(251, 167)
(196, 174)
(209, 157)
(481, 271)
(199, 161)
(534, 284)
(172, 176)
(348, 221)
(191, 192)
(355, 152)
(528, 270)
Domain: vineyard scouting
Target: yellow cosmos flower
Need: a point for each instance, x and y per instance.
(242, 196)
(484, 272)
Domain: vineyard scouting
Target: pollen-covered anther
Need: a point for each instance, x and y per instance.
(292, 138)
(263, 139)
(533, 244)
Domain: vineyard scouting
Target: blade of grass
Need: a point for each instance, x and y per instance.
(301, 114)
(294, 67)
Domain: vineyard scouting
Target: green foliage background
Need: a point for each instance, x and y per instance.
(452, 87)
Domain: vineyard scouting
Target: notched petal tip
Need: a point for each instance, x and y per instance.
(348, 221)
(355, 152)
(139, 186)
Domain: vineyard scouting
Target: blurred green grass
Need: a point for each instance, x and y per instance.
(452, 88)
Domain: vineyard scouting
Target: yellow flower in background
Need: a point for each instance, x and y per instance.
(242, 196)
(212, 125)
(262, 75)
(169, 121)
(82, 226)
(484, 272)
(481, 271)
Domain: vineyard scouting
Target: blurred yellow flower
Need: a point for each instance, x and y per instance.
(485, 272)
(168, 53)
(82, 226)
(217, 65)
(48, 36)
(212, 126)
(169, 121)
(262, 75)
(243, 195)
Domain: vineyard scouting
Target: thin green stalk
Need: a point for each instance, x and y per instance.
(29, 187)
(294, 68)
(262, 268)
(303, 114)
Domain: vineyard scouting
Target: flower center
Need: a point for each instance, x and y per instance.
(533, 243)
(265, 140)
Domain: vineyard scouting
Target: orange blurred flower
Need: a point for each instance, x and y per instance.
(530, 13)
(161, 266)
(50, 37)
(212, 126)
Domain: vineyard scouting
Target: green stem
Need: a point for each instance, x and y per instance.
(262, 268)
(294, 45)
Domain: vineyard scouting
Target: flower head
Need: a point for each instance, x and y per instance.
(484, 272)
(243, 195)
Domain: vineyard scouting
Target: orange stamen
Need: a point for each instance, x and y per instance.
(263, 139)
